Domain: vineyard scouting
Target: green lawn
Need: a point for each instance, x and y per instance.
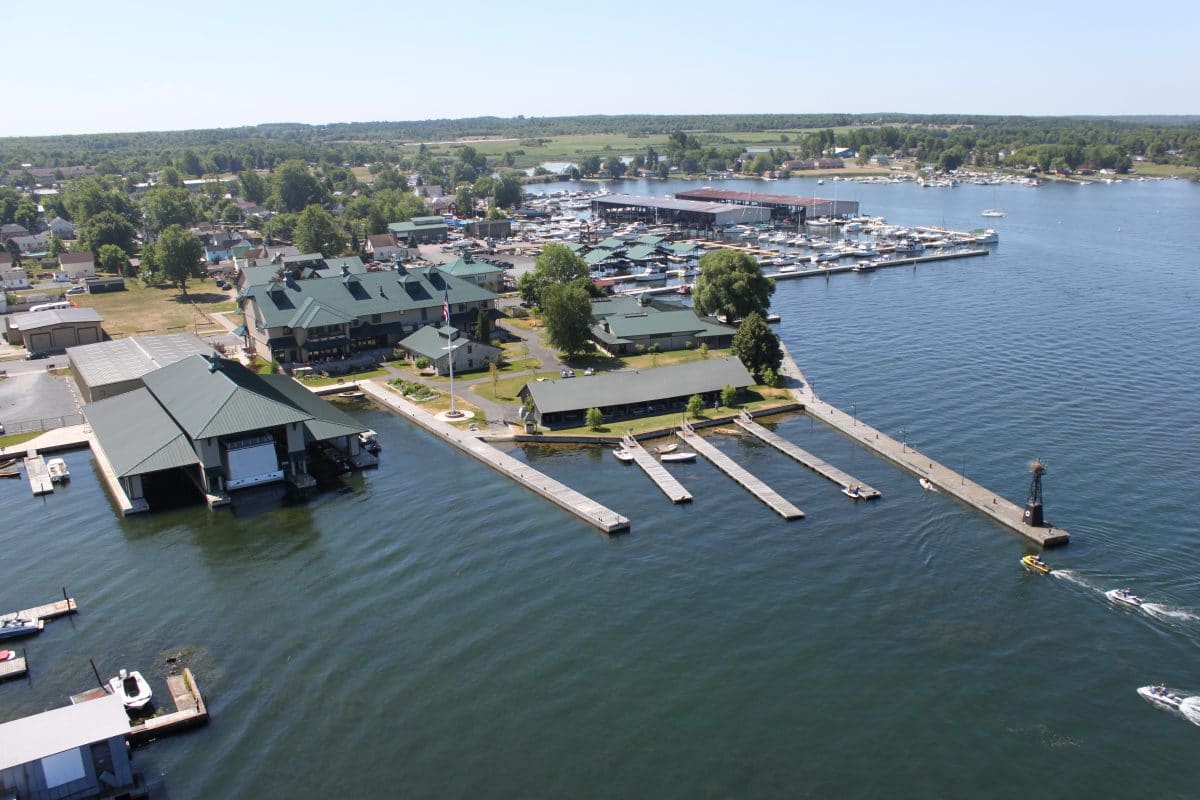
(14, 439)
(379, 372)
(152, 309)
(757, 398)
(507, 388)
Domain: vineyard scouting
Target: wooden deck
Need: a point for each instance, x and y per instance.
(16, 668)
(190, 710)
(58, 608)
(817, 465)
(982, 499)
(39, 477)
(671, 487)
(560, 494)
(756, 487)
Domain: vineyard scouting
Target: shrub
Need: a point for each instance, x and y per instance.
(704, 350)
(695, 406)
(770, 378)
(595, 419)
(728, 396)
(422, 363)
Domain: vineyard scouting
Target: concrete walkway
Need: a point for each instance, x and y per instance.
(71, 437)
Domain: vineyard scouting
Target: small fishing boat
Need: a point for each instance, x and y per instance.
(58, 470)
(369, 442)
(1124, 597)
(12, 627)
(927, 484)
(677, 458)
(132, 688)
(1034, 563)
(623, 455)
(9, 473)
(853, 492)
(993, 212)
(7, 463)
(667, 448)
(1161, 696)
(354, 394)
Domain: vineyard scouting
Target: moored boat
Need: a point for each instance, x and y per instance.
(853, 492)
(1124, 597)
(623, 455)
(12, 627)
(927, 484)
(352, 394)
(1034, 563)
(58, 470)
(7, 655)
(677, 458)
(9, 473)
(132, 688)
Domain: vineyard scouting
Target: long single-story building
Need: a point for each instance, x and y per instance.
(791, 208)
(420, 230)
(675, 211)
(564, 403)
(54, 329)
(628, 325)
(72, 751)
(210, 425)
(110, 368)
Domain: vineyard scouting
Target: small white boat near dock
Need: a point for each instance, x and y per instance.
(58, 470)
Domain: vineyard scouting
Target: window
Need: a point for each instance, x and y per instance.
(63, 768)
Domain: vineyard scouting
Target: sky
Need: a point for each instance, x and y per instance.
(121, 65)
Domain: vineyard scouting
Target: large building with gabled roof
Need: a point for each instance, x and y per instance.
(299, 321)
(211, 424)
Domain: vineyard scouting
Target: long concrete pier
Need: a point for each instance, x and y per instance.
(817, 465)
(560, 494)
(982, 499)
(671, 487)
(834, 268)
(756, 487)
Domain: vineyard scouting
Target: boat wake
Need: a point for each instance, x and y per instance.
(1170, 613)
(1074, 577)
(1190, 708)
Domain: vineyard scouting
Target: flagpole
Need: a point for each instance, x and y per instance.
(449, 347)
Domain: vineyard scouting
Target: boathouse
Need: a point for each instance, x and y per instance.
(105, 369)
(211, 425)
(676, 211)
(76, 751)
(785, 207)
(632, 393)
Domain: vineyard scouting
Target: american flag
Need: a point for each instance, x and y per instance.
(446, 306)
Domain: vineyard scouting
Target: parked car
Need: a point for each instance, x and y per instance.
(77, 290)
(567, 373)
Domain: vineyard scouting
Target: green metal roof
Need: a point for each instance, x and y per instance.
(431, 342)
(598, 255)
(463, 268)
(651, 323)
(413, 225)
(327, 420)
(685, 248)
(370, 293)
(137, 435)
(651, 239)
(637, 386)
(574, 247)
(642, 252)
(313, 313)
(612, 244)
(632, 304)
(216, 397)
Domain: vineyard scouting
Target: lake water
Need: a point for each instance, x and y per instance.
(439, 632)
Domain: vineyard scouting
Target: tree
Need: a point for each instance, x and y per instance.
(728, 396)
(731, 284)
(556, 265)
(87, 197)
(252, 187)
(164, 205)
(595, 419)
(695, 406)
(704, 350)
(178, 256)
(56, 245)
(26, 213)
(483, 326)
(317, 232)
(106, 227)
(296, 187)
(590, 165)
(508, 192)
(112, 259)
(169, 176)
(567, 315)
(757, 345)
(464, 198)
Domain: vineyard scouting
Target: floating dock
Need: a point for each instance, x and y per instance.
(982, 499)
(756, 487)
(671, 487)
(39, 477)
(59, 608)
(560, 494)
(817, 465)
(15, 668)
(190, 709)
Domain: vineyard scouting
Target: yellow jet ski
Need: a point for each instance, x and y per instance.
(1034, 563)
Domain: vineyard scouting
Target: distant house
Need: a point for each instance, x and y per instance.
(62, 227)
(420, 230)
(76, 751)
(626, 325)
(435, 344)
(34, 243)
(12, 277)
(77, 265)
(383, 247)
(11, 230)
(632, 393)
(880, 160)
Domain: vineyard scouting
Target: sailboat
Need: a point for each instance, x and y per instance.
(993, 212)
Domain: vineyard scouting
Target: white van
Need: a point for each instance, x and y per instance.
(50, 306)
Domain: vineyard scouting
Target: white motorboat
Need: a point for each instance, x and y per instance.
(1161, 696)
(58, 470)
(12, 627)
(677, 458)
(623, 455)
(132, 688)
(663, 449)
(853, 492)
(1124, 597)
(927, 484)
(993, 212)
(654, 272)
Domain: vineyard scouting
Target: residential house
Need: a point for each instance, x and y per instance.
(437, 345)
(34, 244)
(383, 247)
(291, 320)
(75, 751)
(77, 265)
(632, 393)
(61, 227)
(420, 230)
(11, 230)
(12, 277)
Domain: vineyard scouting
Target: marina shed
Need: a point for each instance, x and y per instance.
(76, 751)
(105, 369)
(791, 208)
(632, 393)
(54, 329)
(676, 211)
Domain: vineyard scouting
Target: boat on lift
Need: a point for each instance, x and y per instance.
(1124, 597)
(1034, 563)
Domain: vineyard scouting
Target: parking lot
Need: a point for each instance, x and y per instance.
(38, 401)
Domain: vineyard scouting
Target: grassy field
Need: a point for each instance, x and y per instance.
(757, 398)
(507, 388)
(13, 439)
(142, 309)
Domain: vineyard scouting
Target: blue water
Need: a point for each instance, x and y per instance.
(439, 632)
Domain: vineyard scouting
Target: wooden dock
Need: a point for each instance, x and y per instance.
(59, 608)
(39, 477)
(817, 465)
(671, 487)
(558, 493)
(982, 499)
(190, 710)
(731, 468)
(16, 668)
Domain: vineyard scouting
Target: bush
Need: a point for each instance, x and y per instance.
(695, 406)
(704, 350)
(595, 419)
(770, 378)
(422, 363)
(728, 396)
